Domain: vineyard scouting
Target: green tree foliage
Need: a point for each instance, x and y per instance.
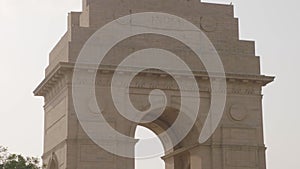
(14, 161)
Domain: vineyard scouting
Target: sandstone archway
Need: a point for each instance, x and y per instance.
(236, 143)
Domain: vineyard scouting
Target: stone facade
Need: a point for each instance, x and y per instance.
(238, 141)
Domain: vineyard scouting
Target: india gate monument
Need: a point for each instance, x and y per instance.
(176, 67)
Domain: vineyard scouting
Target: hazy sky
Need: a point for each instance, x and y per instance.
(29, 30)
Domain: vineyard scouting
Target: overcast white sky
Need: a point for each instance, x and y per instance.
(29, 30)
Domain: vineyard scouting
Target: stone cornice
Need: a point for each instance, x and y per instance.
(63, 68)
(223, 146)
(57, 73)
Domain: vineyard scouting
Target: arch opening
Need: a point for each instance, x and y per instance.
(156, 162)
(178, 157)
(53, 163)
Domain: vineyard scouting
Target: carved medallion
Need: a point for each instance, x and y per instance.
(238, 112)
(208, 24)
